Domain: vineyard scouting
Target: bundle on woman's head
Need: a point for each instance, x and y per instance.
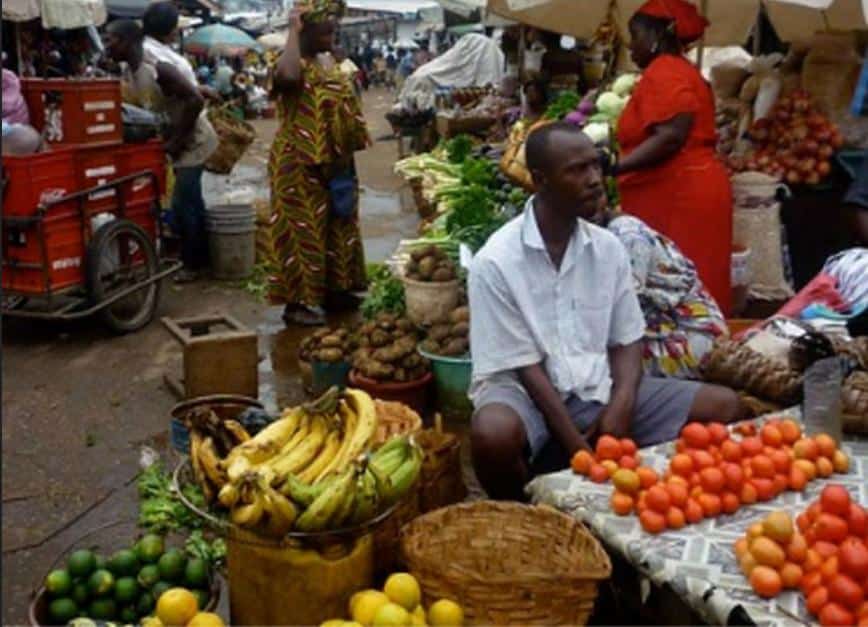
(688, 25)
(321, 10)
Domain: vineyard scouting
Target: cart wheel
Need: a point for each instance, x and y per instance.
(119, 256)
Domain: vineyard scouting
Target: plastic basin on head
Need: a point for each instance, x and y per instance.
(451, 382)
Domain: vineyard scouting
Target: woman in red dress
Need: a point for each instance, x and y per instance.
(669, 175)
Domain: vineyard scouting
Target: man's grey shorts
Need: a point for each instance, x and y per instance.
(662, 408)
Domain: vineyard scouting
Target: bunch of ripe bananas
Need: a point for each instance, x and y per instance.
(310, 470)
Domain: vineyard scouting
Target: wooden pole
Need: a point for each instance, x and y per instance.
(700, 52)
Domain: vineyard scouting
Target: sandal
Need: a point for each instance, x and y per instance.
(305, 316)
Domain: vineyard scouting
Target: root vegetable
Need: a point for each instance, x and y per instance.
(332, 341)
(330, 355)
(442, 275)
(439, 332)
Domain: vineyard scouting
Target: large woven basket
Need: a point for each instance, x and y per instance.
(442, 482)
(395, 419)
(507, 563)
(387, 537)
(235, 137)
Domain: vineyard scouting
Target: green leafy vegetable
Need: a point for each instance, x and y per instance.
(160, 509)
(458, 148)
(212, 551)
(385, 292)
(566, 102)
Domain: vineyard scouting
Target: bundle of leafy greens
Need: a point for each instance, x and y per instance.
(459, 148)
(565, 102)
(473, 217)
(385, 292)
(212, 551)
(160, 508)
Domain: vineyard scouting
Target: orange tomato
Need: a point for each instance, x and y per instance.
(608, 447)
(853, 558)
(710, 503)
(581, 462)
(797, 549)
(843, 590)
(652, 522)
(807, 467)
(813, 561)
(834, 499)
(747, 563)
(826, 444)
(806, 448)
(658, 499)
(771, 436)
(791, 575)
(647, 476)
(762, 467)
(765, 489)
(740, 547)
(751, 446)
(681, 464)
(829, 569)
(628, 446)
(609, 465)
(830, 528)
(679, 480)
(857, 520)
(834, 614)
(811, 581)
(693, 511)
(730, 451)
(780, 483)
(825, 468)
(702, 459)
(729, 503)
(790, 430)
(696, 435)
(718, 432)
(755, 531)
(734, 476)
(748, 494)
(598, 473)
(745, 429)
(766, 582)
(782, 461)
(778, 526)
(817, 600)
(677, 494)
(797, 479)
(675, 518)
(629, 462)
(712, 480)
(622, 504)
(841, 462)
(767, 552)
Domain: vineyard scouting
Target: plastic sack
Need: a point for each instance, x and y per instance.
(822, 289)
(822, 400)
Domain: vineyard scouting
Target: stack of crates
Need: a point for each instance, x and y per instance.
(81, 122)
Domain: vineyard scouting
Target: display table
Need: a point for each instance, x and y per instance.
(697, 562)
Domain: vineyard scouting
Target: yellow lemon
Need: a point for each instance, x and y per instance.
(359, 595)
(391, 615)
(403, 589)
(206, 619)
(177, 606)
(334, 622)
(151, 621)
(351, 623)
(367, 605)
(417, 617)
(445, 613)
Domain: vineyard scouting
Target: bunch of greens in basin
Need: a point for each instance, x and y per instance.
(385, 292)
(160, 508)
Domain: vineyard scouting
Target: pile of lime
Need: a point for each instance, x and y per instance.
(126, 586)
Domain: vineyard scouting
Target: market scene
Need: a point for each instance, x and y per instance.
(435, 312)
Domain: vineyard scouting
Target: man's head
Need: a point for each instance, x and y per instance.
(160, 21)
(339, 54)
(566, 169)
(123, 38)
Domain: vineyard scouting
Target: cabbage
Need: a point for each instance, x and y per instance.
(611, 104)
(623, 85)
(597, 131)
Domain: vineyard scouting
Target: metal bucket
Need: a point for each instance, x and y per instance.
(232, 240)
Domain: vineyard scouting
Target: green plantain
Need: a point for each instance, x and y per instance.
(316, 517)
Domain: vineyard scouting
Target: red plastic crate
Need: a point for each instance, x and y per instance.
(78, 112)
(34, 179)
(98, 166)
(136, 158)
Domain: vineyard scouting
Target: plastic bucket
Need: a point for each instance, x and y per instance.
(428, 303)
(451, 383)
(232, 240)
(325, 375)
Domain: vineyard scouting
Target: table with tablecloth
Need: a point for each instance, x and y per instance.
(697, 561)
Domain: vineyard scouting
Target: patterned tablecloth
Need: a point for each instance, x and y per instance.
(697, 561)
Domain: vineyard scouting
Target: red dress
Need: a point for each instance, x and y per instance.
(687, 198)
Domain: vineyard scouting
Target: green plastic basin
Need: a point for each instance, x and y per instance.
(451, 383)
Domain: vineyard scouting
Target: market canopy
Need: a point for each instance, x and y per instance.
(56, 13)
(219, 39)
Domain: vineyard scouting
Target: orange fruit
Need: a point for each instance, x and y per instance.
(598, 473)
(626, 481)
(729, 503)
(834, 499)
(608, 447)
(754, 531)
(747, 563)
(712, 480)
(629, 462)
(730, 451)
(652, 522)
(817, 600)
(621, 503)
(806, 448)
(675, 518)
(710, 503)
(771, 436)
(790, 431)
(834, 614)
(751, 446)
(677, 494)
(824, 549)
(857, 520)
(610, 465)
(734, 477)
(780, 482)
(831, 528)
(745, 429)
(628, 446)
(824, 467)
(693, 511)
(647, 476)
(718, 432)
(829, 569)
(781, 460)
(762, 467)
(680, 445)
(658, 499)
(812, 562)
(693, 480)
(640, 501)
(581, 462)
(853, 558)
(765, 489)
(696, 435)
(678, 479)
(791, 575)
(797, 479)
(681, 464)
(748, 494)
(767, 552)
(702, 459)
(826, 443)
(778, 526)
(766, 582)
(843, 590)
(797, 549)
(806, 466)
(841, 462)
(740, 547)
(811, 581)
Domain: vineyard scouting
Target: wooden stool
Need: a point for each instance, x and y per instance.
(216, 361)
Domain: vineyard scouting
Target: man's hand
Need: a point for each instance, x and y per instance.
(626, 366)
(295, 23)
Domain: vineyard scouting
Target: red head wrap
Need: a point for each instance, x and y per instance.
(689, 24)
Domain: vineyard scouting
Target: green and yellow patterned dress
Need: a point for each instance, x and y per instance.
(310, 251)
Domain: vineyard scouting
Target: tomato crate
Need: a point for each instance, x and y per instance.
(33, 180)
(148, 156)
(75, 112)
(97, 166)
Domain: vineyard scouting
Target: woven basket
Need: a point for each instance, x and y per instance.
(442, 482)
(387, 537)
(394, 419)
(854, 403)
(423, 206)
(507, 563)
(235, 137)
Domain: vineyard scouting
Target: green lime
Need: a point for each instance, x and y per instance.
(58, 583)
(101, 583)
(81, 563)
(196, 573)
(149, 548)
(102, 609)
(126, 590)
(172, 564)
(202, 597)
(159, 588)
(82, 621)
(148, 576)
(124, 563)
(100, 562)
(62, 610)
(128, 615)
(146, 604)
(80, 593)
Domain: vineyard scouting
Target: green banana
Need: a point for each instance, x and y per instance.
(389, 461)
(317, 516)
(394, 486)
(345, 509)
(367, 499)
(399, 442)
(304, 493)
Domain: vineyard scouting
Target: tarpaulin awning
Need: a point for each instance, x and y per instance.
(220, 39)
(64, 14)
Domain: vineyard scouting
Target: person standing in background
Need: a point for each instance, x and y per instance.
(14, 107)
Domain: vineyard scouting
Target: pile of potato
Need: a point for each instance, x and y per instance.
(429, 264)
(387, 350)
(451, 337)
(327, 345)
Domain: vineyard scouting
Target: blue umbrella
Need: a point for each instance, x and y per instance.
(220, 39)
